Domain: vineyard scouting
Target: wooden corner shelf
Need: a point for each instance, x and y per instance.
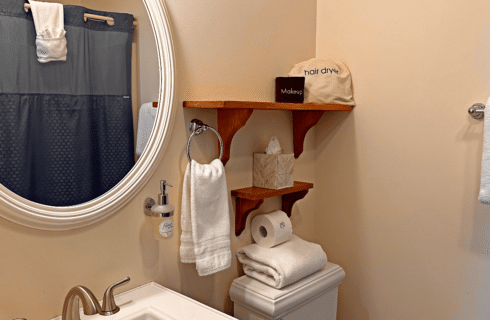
(232, 115)
(249, 199)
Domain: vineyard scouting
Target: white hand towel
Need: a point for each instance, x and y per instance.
(50, 31)
(283, 264)
(146, 120)
(484, 196)
(205, 218)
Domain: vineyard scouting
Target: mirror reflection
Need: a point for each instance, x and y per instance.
(69, 94)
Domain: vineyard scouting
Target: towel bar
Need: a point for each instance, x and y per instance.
(197, 127)
(477, 110)
(108, 20)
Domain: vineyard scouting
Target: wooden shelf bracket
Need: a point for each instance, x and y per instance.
(229, 122)
(289, 199)
(302, 122)
(243, 209)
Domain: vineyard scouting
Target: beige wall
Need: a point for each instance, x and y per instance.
(224, 50)
(398, 178)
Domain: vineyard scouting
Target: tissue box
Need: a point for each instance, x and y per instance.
(273, 171)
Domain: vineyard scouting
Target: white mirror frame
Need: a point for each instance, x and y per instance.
(35, 215)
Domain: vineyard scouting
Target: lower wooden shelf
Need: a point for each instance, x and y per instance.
(249, 199)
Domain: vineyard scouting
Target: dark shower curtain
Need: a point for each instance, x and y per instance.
(66, 127)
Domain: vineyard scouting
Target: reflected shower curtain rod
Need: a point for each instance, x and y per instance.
(109, 20)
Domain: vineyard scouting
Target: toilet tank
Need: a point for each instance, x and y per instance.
(312, 298)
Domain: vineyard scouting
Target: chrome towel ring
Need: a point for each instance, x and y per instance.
(197, 127)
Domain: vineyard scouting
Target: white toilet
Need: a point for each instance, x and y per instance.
(312, 298)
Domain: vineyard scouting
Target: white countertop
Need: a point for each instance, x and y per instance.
(152, 301)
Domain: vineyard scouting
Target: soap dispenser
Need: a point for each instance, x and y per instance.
(162, 215)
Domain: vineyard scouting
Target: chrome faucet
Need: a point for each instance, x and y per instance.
(71, 308)
(109, 306)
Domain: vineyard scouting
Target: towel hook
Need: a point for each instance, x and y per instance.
(477, 110)
(197, 127)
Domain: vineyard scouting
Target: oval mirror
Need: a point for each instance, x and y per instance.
(32, 214)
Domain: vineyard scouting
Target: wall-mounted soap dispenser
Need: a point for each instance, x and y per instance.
(161, 214)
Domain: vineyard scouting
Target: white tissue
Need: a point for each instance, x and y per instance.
(274, 147)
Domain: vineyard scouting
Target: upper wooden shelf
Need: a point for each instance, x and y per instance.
(232, 115)
(267, 105)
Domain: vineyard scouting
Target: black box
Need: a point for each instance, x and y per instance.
(290, 89)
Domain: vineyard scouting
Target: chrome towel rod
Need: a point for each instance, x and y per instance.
(108, 20)
(197, 127)
(477, 110)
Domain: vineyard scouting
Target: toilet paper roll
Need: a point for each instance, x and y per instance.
(269, 230)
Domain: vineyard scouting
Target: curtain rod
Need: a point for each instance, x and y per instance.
(86, 16)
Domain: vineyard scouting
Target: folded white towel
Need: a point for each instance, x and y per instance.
(50, 31)
(205, 218)
(484, 196)
(146, 119)
(283, 264)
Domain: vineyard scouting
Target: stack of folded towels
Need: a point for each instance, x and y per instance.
(284, 263)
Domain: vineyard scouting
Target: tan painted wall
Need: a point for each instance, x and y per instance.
(398, 178)
(224, 50)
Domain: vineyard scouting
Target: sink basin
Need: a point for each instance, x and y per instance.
(155, 302)
(147, 315)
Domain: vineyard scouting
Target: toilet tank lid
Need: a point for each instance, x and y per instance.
(257, 295)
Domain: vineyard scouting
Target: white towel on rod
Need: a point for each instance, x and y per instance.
(146, 120)
(484, 196)
(49, 22)
(283, 264)
(205, 218)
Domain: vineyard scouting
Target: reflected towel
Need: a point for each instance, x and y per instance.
(484, 196)
(283, 264)
(205, 218)
(146, 120)
(50, 31)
